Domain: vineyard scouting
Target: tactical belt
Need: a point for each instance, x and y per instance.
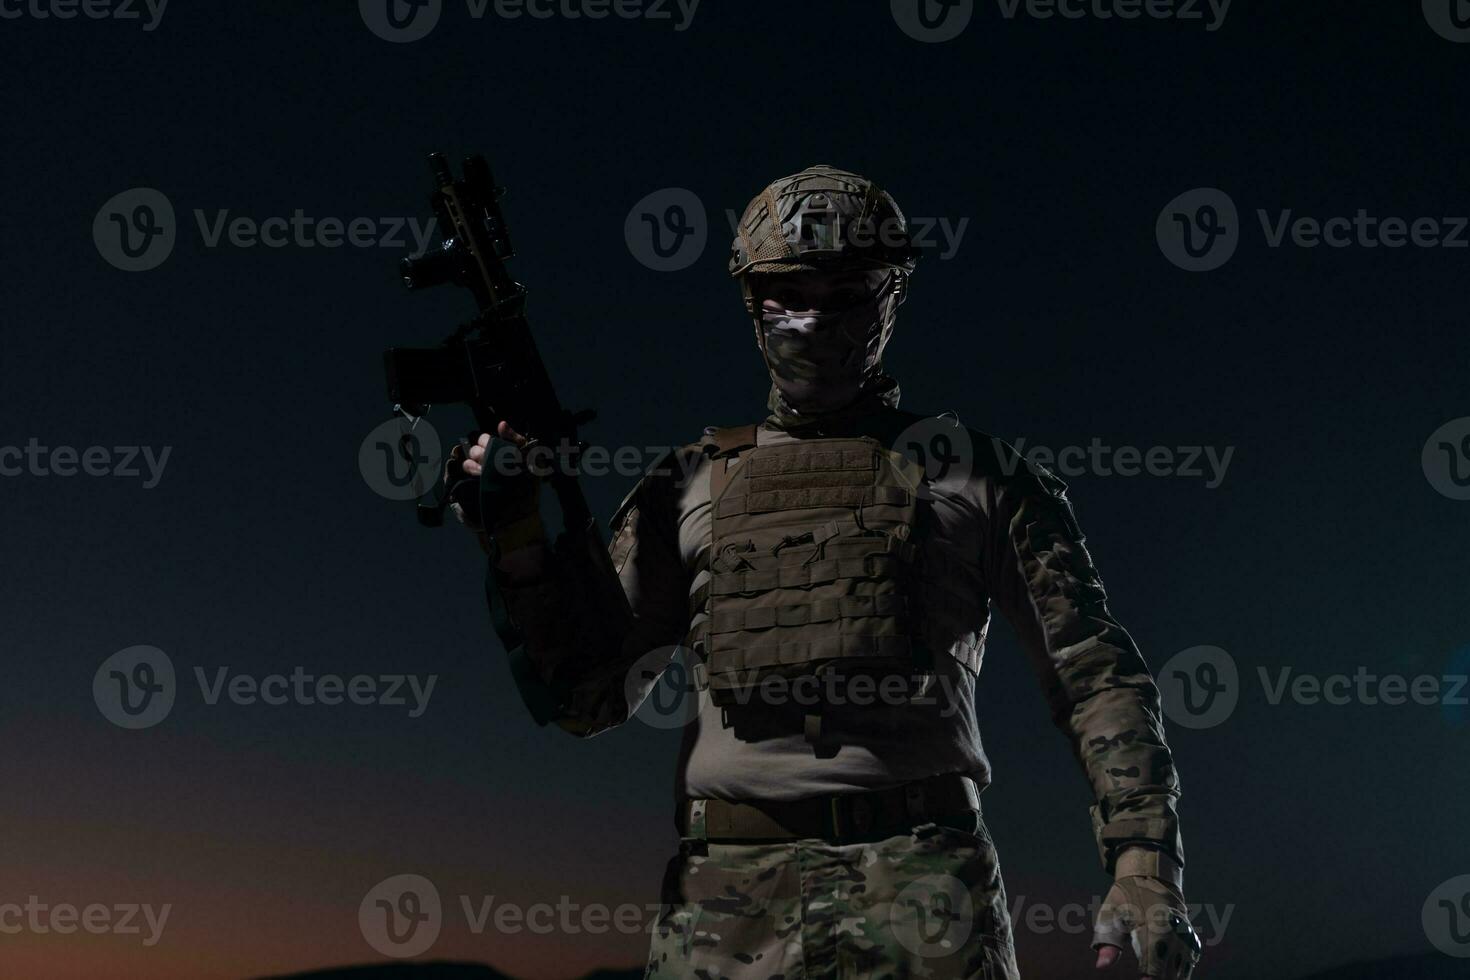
(952, 800)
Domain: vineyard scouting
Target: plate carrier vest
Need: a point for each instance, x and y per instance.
(812, 564)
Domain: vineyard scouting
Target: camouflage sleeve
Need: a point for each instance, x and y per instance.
(580, 625)
(1101, 693)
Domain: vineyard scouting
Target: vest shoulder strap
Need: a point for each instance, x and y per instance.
(724, 445)
(729, 440)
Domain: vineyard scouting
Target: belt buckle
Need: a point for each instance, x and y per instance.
(858, 818)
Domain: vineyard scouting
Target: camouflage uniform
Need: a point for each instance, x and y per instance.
(923, 900)
(925, 904)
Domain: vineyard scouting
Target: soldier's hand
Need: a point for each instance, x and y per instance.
(1149, 915)
(475, 464)
(499, 500)
(469, 463)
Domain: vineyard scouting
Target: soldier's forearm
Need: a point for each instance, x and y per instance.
(564, 621)
(1118, 738)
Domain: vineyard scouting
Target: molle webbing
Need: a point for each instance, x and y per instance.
(733, 665)
(810, 560)
(804, 613)
(881, 560)
(879, 564)
(818, 496)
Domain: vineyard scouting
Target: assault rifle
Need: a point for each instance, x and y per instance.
(489, 363)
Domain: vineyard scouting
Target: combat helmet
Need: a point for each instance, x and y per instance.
(821, 218)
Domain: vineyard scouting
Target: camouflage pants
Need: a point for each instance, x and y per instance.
(929, 903)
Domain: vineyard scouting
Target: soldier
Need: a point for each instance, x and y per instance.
(836, 598)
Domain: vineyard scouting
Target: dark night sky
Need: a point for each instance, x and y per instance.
(1058, 320)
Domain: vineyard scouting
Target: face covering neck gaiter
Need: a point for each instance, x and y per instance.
(823, 361)
(817, 360)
